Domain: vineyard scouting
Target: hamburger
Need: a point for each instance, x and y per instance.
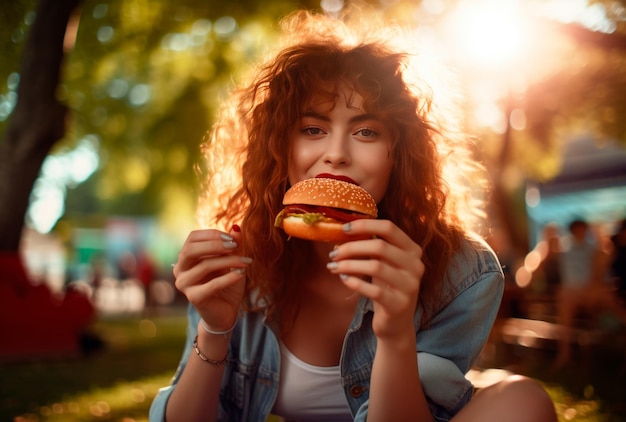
(315, 209)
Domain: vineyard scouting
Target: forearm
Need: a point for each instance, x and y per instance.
(196, 396)
(395, 390)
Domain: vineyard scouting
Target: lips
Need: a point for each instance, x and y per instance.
(336, 177)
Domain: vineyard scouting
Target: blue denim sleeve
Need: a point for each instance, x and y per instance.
(157, 408)
(452, 341)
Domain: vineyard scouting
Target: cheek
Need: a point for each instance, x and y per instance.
(379, 187)
(385, 166)
(379, 177)
(299, 161)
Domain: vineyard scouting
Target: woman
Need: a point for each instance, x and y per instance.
(379, 329)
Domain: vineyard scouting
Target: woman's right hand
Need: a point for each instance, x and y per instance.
(210, 272)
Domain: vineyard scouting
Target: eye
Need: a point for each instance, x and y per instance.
(367, 133)
(312, 130)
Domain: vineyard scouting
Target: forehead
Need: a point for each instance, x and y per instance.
(327, 98)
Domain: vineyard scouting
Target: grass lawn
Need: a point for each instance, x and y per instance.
(119, 382)
(114, 384)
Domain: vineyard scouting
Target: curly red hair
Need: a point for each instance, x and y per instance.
(249, 148)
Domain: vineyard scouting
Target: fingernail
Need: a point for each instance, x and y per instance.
(343, 276)
(226, 237)
(229, 245)
(346, 227)
(240, 271)
(246, 260)
(333, 254)
(332, 265)
(236, 228)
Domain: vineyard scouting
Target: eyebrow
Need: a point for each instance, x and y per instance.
(355, 119)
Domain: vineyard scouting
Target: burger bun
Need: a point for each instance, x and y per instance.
(318, 232)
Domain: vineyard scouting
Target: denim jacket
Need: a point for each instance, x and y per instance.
(446, 347)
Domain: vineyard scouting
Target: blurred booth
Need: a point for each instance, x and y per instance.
(591, 185)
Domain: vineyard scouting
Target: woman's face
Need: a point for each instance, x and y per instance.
(335, 139)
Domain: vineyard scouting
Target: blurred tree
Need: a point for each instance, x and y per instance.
(38, 120)
(144, 78)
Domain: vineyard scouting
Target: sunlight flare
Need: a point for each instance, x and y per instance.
(490, 33)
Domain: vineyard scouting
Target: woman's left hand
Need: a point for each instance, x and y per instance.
(387, 269)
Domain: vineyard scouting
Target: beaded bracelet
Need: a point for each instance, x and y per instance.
(206, 359)
(217, 332)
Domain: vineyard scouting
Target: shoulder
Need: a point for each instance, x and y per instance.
(474, 259)
(473, 266)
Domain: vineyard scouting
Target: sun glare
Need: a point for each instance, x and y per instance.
(490, 33)
(495, 46)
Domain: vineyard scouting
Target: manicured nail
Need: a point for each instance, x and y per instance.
(229, 245)
(241, 271)
(343, 276)
(226, 237)
(333, 253)
(332, 265)
(346, 227)
(236, 228)
(246, 260)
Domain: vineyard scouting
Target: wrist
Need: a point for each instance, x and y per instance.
(212, 331)
(401, 339)
(205, 358)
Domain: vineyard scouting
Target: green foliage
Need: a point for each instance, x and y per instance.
(144, 77)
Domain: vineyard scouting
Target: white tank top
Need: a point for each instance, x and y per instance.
(309, 393)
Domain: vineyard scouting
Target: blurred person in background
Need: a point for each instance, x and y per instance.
(585, 285)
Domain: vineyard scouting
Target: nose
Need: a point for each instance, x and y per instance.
(337, 151)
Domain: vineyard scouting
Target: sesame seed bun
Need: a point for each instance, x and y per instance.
(332, 193)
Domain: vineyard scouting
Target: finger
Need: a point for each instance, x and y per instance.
(197, 293)
(380, 228)
(360, 267)
(359, 252)
(395, 301)
(235, 232)
(237, 236)
(379, 249)
(379, 293)
(383, 229)
(210, 268)
(201, 244)
(378, 273)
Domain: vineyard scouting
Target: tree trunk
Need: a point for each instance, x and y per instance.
(38, 120)
(501, 203)
(34, 323)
